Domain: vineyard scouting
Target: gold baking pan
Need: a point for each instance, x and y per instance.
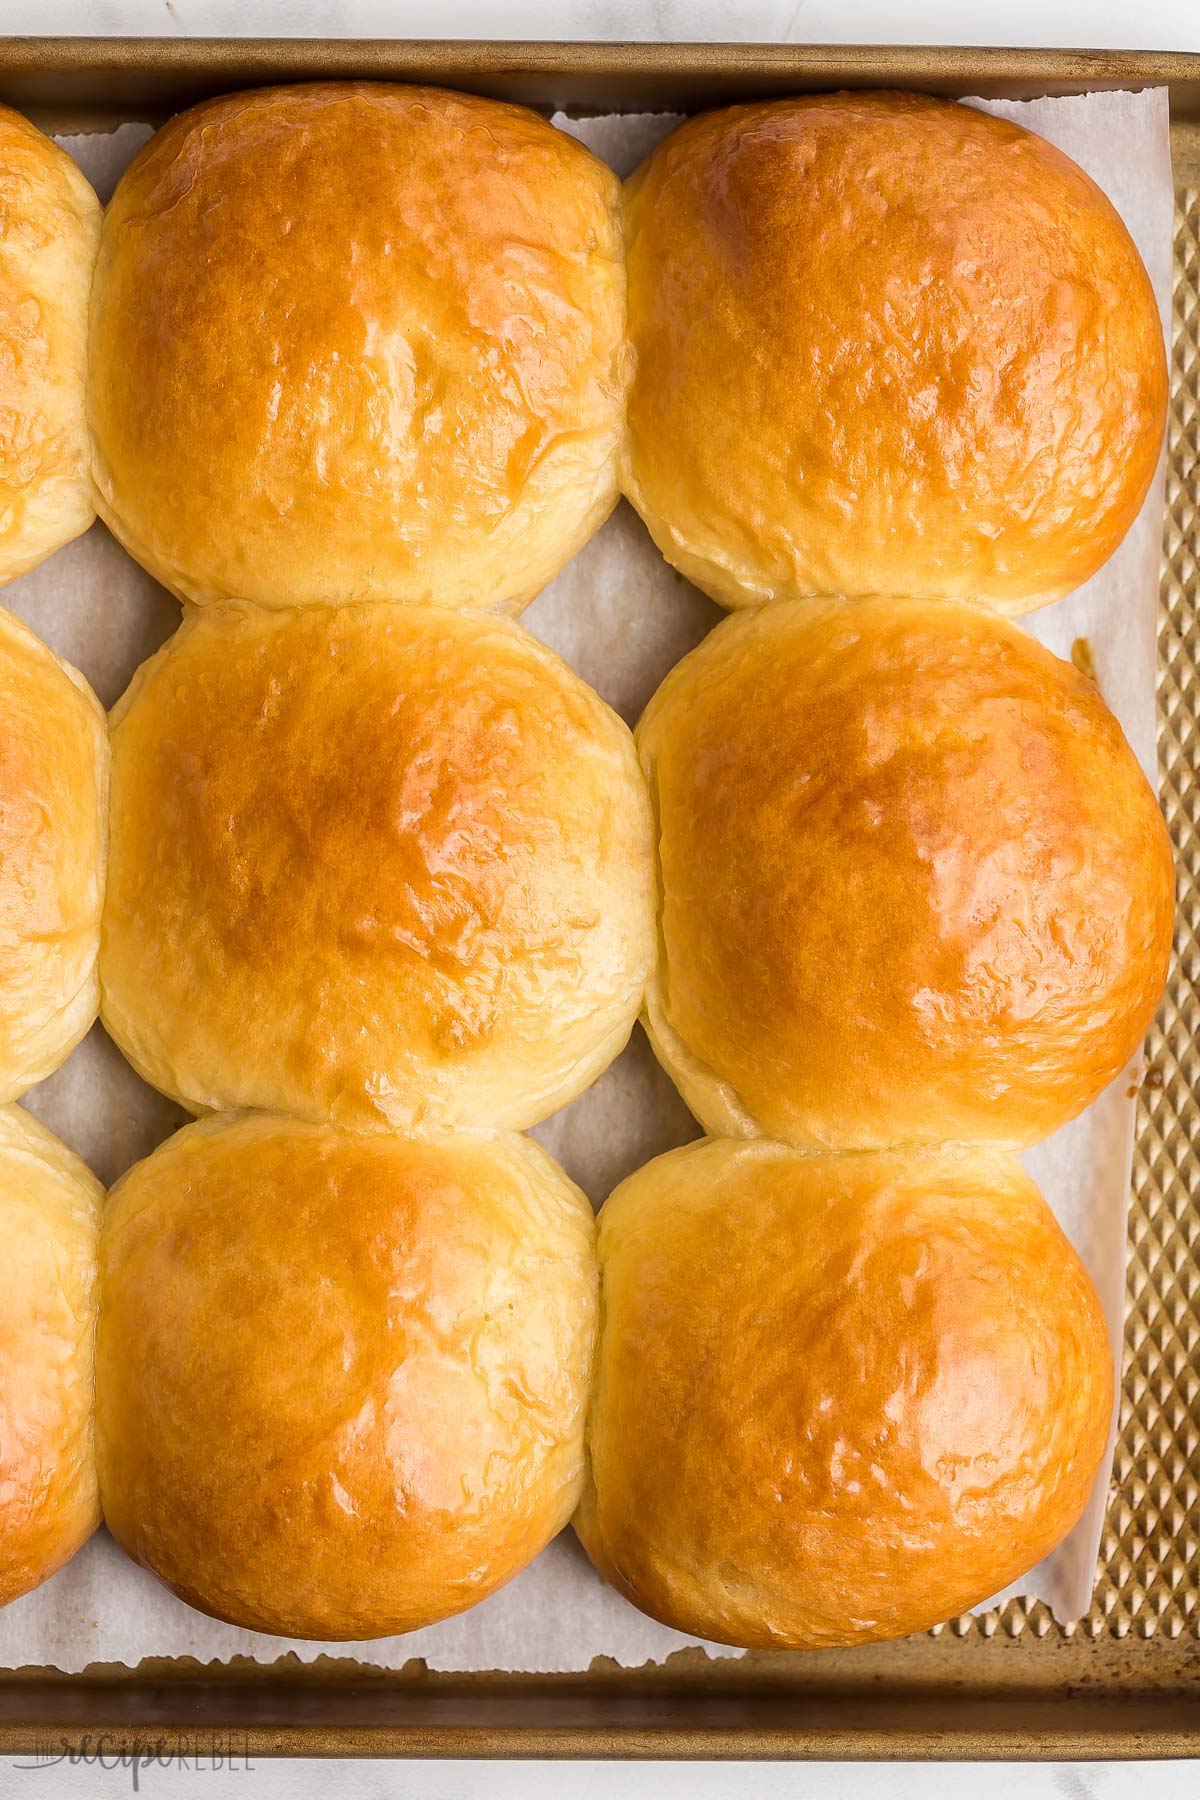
(1125, 1681)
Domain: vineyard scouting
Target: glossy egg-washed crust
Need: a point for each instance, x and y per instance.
(884, 344)
(387, 865)
(49, 1208)
(837, 1398)
(341, 1377)
(914, 885)
(378, 337)
(53, 798)
(49, 230)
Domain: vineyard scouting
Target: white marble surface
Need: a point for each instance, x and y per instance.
(21, 1779)
(1101, 24)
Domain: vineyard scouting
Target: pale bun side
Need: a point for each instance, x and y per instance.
(49, 232)
(49, 1211)
(341, 1378)
(838, 1398)
(53, 807)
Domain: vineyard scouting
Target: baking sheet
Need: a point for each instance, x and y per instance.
(622, 617)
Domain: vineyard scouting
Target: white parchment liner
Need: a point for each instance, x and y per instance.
(622, 618)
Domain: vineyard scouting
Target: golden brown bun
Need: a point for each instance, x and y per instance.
(384, 865)
(49, 1206)
(341, 1378)
(53, 796)
(837, 1398)
(378, 342)
(884, 344)
(49, 229)
(915, 886)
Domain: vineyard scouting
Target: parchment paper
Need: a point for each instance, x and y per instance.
(622, 617)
